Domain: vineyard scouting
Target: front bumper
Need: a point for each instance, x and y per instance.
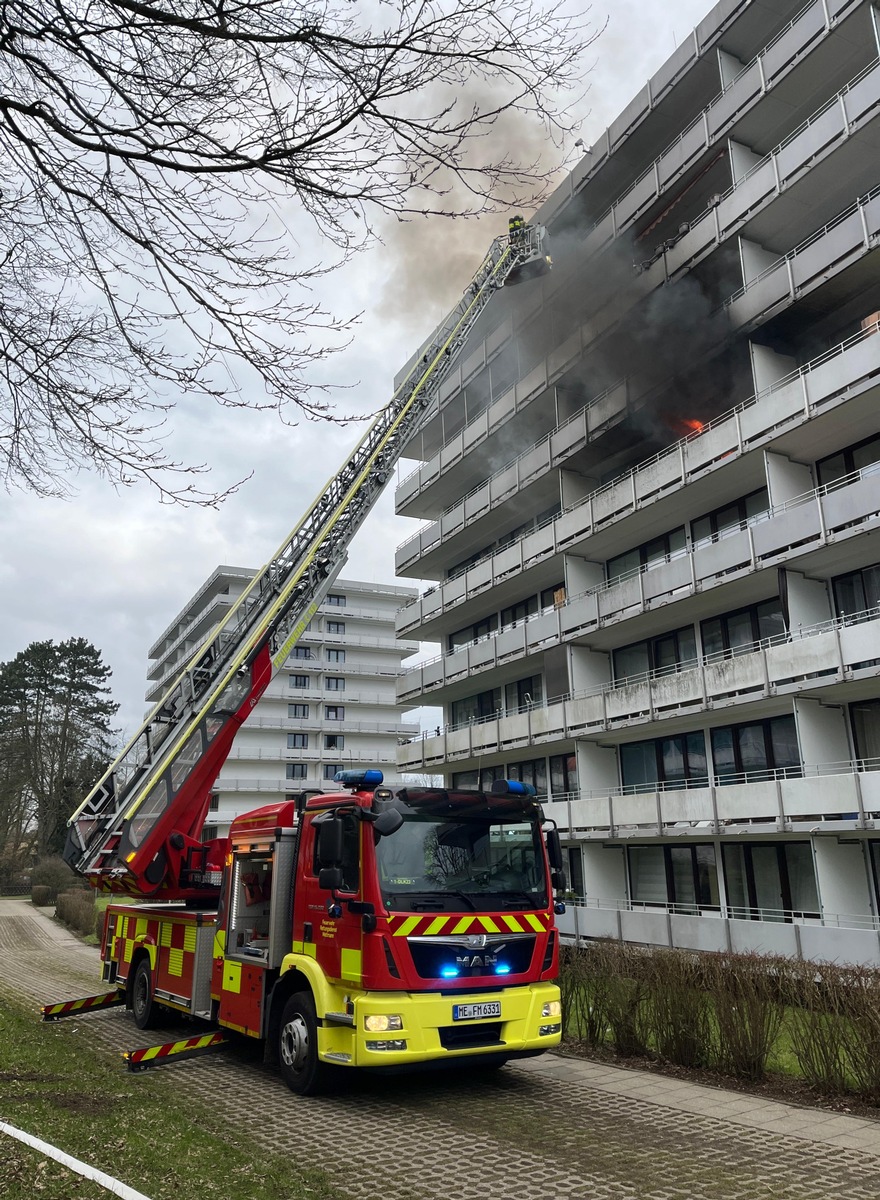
(430, 1035)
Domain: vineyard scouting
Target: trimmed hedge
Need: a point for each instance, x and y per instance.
(77, 909)
(728, 1012)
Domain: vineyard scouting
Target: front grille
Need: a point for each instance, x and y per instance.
(468, 1037)
(431, 955)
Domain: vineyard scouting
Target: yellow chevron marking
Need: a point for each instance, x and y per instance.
(189, 939)
(175, 962)
(489, 925)
(407, 927)
(513, 924)
(534, 922)
(151, 1052)
(463, 924)
(435, 926)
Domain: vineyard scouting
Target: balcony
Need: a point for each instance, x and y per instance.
(852, 366)
(833, 937)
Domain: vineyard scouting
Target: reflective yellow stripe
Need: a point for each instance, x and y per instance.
(407, 927)
(140, 928)
(534, 922)
(513, 924)
(435, 926)
(463, 924)
(129, 950)
(189, 939)
(489, 925)
(165, 936)
(175, 962)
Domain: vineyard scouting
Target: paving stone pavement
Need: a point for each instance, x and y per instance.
(554, 1126)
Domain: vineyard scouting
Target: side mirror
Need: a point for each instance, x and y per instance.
(330, 843)
(388, 822)
(330, 879)
(557, 878)
(554, 850)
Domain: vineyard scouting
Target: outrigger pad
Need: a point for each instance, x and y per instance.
(157, 1056)
(78, 1008)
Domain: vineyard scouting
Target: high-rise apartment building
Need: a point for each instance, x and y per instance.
(333, 705)
(652, 494)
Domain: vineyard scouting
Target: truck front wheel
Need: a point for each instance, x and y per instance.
(143, 1007)
(298, 1047)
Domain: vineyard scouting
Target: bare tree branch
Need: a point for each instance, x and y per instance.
(154, 158)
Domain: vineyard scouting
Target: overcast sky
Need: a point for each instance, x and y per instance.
(115, 566)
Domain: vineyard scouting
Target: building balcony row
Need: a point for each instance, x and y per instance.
(831, 937)
(836, 797)
(828, 514)
(377, 753)
(285, 724)
(850, 368)
(807, 662)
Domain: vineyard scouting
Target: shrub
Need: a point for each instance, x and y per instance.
(583, 981)
(626, 998)
(56, 875)
(678, 1008)
(77, 909)
(862, 1028)
(41, 895)
(747, 992)
(819, 1028)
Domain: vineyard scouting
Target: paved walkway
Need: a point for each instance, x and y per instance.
(554, 1126)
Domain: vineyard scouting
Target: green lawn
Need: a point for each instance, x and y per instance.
(139, 1129)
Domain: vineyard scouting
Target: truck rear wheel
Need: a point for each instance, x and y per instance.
(143, 1007)
(298, 1047)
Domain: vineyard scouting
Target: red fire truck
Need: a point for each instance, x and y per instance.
(372, 927)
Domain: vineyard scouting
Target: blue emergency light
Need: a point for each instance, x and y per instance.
(359, 780)
(512, 787)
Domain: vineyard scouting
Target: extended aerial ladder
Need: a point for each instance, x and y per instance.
(137, 832)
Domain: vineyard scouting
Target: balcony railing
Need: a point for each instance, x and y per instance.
(731, 912)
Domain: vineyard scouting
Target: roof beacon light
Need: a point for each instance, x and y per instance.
(359, 781)
(512, 787)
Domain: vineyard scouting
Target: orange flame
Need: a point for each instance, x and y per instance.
(692, 425)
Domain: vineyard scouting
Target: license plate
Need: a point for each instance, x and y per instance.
(475, 1012)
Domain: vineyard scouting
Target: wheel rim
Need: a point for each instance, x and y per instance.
(295, 1043)
(141, 994)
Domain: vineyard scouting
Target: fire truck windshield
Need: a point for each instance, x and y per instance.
(471, 864)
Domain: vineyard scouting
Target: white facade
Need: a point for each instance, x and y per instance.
(333, 706)
(652, 492)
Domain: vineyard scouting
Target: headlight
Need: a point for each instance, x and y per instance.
(382, 1022)
(553, 1008)
(388, 1044)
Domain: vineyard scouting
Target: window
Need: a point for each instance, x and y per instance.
(519, 612)
(649, 554)
(669, 652)
(334, 712)
(299, 711)
(297, 741)
(857, 592)
(476, 708)
(525, 693)
(351, 852)
(336, 627)
(770, 881)
(335, 655)
(296, 770)
(563, 775)
(298, 681)
(865, 717)
(735, 515)
(209, 832)
(334, 741)
(334, 683)
(214, 804)
(481, 780)
(736, 632)
(473, 633)
(330, 769)
(664, 763)
(302, 652)
(553, 597)
(575, 869)
(755, 749)
(533, 771)
(856, 457)
(336, 600)
(686, 876)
